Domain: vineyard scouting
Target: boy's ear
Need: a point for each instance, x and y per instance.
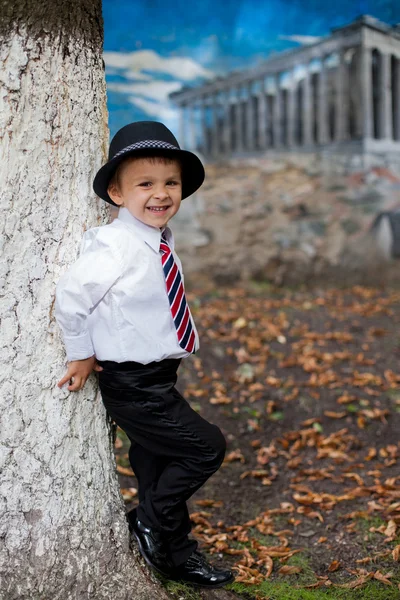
(114, 193)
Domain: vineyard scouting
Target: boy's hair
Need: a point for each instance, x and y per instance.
(153, 158)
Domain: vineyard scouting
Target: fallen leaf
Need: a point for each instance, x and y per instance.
(334, 566)
(383, 578)
(289, 570)
(209, 503)
(125, 471)
(234, 455)
(334, 415)
(396, 553)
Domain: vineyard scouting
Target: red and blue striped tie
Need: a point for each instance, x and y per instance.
(176, 296)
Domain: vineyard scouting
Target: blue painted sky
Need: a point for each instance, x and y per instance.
(152, 47)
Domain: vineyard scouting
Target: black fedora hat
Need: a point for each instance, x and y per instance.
(148, 138)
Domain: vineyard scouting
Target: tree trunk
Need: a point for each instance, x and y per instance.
(63, 533)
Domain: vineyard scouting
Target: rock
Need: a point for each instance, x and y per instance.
(313, 227)
(308, 249)
(350, 226)
(245, 373)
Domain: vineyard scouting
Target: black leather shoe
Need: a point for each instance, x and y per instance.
(198, 572)
(151, 545)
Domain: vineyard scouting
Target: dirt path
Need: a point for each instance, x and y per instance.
(306, 388)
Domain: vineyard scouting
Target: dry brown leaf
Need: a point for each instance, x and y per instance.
(364, 561)
(220, 400)
(334, 566)
(209, 503)
(268, 563)
(390, 530)
(356, 583)
(371, 454)
(234, 455)
(383, 578)
(254, 473)
(335, 415)
(275, 551)
(125, 471)
(346, 399)
(396, 553)
(289, 570)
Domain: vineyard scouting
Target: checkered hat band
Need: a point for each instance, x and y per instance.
(147, 144)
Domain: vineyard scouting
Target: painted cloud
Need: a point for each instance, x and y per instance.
(145, 79)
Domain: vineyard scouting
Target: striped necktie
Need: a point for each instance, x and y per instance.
(176, 296)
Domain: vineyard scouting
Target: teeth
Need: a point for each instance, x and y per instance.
(158, 209)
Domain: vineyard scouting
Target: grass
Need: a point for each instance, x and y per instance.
(286, 590)
(180, 591)
(307, 575)
(364, 524)
(293, 587)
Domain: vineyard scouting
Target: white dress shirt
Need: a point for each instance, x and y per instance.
(113, 302)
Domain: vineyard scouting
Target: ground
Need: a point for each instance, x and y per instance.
(305, 385)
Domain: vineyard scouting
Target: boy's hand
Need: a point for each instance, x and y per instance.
(79, 371)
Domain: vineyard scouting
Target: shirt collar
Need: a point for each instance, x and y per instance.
(150, 235)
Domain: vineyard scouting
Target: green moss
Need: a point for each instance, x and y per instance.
(260, 287)
(123, 461)
(307, 575)
(123, 437)
(180, 591)
(277, 416)
(363, 525)
(285, 590)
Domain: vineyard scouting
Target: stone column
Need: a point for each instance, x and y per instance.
(203, 124)
(249, 123)
(227, 125)
(291, 110)
(239, 120)
(385, 99)
(341, 104)
(182, 128)
(365, 125)
(277, 115)
(214, 125)
(322, 128)
(192, 142)
(262, 116)
(397, 99)
(307, 108)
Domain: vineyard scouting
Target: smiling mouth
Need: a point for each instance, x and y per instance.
(158, 209)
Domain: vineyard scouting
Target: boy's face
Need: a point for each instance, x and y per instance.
(150, 189)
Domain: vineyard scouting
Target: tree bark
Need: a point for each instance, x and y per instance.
(63, 534)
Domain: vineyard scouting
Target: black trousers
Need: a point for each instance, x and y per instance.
(173, 449)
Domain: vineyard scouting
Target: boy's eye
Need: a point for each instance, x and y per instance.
(145, 183)
(173, 182)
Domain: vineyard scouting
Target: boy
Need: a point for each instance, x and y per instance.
(123, 313)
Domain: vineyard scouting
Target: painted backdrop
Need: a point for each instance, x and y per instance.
(153, 47)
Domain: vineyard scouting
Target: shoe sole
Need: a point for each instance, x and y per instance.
(204, 585)
(170, 576)
(147, 559)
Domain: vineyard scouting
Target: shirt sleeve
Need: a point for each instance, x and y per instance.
(83, 286)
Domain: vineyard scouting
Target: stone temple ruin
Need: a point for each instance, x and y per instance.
(340, 95)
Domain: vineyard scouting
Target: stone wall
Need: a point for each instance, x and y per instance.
(278, 221)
